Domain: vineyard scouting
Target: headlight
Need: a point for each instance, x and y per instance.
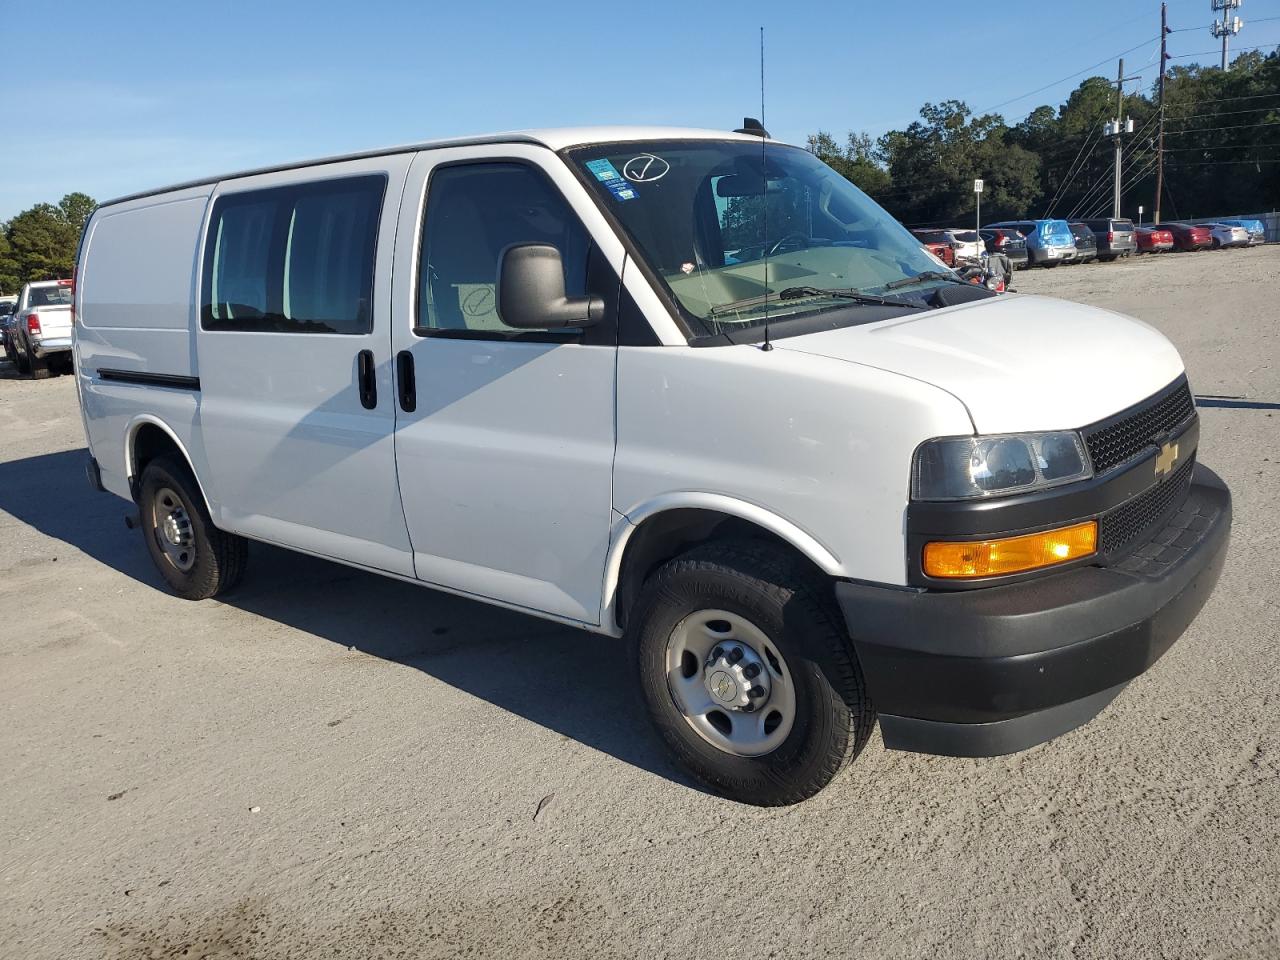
(960, 468)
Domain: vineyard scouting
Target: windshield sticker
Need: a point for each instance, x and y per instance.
(607, 174)
(645, 168)
(604, 170)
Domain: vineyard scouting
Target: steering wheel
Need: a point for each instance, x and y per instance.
(797, 240)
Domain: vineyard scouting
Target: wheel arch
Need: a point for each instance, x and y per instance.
(663, 528)
(148, 437)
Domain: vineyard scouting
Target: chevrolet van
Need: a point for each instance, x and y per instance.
(688, 390)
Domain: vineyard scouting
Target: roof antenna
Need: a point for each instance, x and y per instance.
(764, 198)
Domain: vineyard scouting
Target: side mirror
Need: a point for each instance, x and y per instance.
(531, 291)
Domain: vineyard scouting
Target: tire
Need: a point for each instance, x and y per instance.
(1217, 245)
(1110, 259)
(22, 362)
(802, 646)
(38, 367)
(213, 560)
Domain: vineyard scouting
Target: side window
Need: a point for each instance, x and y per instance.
(296, 259)
(473, 212)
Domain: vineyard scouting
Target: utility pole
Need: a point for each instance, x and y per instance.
(1116, 128)
(1229, 26)
(1164, 55)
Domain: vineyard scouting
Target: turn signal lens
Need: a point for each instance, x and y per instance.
(993, 558)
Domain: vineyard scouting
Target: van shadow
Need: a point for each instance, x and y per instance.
(578, 684)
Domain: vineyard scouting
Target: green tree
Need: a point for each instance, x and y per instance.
(856, 161)
(934, 162)
(76, 208)
(40, 243)
(9, 273)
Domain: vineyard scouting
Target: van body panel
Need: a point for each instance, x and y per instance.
(1019, 363)
(290, 454)
(822, 444)
(505, 464)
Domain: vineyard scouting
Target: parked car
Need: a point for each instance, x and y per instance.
(897, 513)
(1049, 242)
(1114, 238)
(939, 243)
(1009, 242)
(1189, 237)
(968, 245)
(1227, 235)
(1086, 243)
(1153, 239)
(40, 331)
(7, 306)
(1257, 232)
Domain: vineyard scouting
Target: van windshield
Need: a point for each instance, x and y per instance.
(710, 217)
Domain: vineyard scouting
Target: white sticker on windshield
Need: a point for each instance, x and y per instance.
(645, 168)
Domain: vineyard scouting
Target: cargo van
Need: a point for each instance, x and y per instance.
(690, 390)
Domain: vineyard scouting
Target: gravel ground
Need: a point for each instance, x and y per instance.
(332, 763)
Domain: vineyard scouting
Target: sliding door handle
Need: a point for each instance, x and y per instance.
(405, 382)
(368, 385)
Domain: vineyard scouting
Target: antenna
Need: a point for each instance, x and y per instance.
(764, 198)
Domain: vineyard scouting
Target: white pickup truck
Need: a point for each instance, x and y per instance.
(41, 331)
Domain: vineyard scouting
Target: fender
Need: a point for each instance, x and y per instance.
(627, 523)
(131, 433)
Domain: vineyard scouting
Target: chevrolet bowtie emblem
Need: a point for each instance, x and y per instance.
(1166, 458)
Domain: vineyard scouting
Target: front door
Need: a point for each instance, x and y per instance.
(505, 449)
(294, 353)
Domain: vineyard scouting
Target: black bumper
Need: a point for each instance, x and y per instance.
(993, 671)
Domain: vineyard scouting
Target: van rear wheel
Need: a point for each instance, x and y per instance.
(196, 558)
(747, 673)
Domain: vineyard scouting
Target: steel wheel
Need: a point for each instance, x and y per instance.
(730, 683)
(171, 528)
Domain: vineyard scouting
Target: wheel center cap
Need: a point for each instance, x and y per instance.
(723, 687)
(736, 677)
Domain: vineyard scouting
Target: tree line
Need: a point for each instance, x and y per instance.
(40, 243)
(1222, 153)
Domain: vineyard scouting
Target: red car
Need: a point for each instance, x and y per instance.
(1190, 236)
(938, 242)
(1154, 239)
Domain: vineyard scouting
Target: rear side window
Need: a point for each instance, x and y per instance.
(296, 259)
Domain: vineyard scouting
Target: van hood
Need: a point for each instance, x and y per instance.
(1017, 363)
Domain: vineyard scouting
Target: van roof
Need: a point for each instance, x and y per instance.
(555, 138)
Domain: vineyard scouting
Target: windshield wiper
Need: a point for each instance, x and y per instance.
(797, 293)
(922, 278)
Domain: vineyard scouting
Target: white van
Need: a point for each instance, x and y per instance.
(688, 387)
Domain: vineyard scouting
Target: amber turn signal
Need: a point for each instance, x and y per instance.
(994, 558)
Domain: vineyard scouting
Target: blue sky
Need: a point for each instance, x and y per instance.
(125, 95)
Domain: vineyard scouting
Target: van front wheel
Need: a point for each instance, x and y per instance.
(747, 673)
(196, 558)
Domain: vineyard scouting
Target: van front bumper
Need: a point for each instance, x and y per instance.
(980, 673)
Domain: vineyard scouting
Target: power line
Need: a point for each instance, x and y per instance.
(1237, 126)
(1226, 113)
(1072, 76)
(1072, 171)
(1225, 146)
(1239, 50)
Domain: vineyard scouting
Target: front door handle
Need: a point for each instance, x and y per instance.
(405, 382)
(368, 386)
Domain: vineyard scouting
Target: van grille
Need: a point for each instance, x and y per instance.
(1113, 442)
(1128, 522)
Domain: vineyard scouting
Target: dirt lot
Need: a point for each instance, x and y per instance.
(331, 763)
